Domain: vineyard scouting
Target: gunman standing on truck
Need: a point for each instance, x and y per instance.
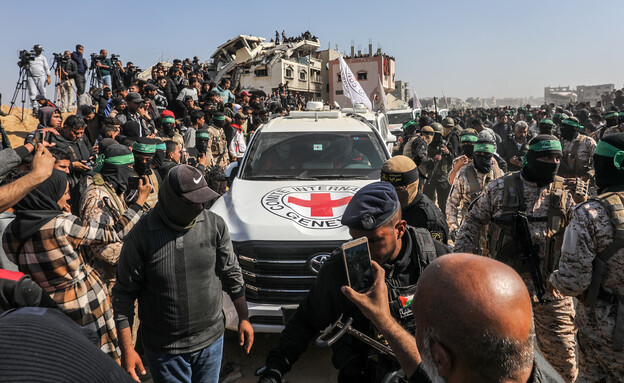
(526, 213)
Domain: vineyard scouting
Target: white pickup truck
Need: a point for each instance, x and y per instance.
(285, 203)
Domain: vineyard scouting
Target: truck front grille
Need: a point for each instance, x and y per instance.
(278, 271)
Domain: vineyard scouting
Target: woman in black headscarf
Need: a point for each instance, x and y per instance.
(44, 242)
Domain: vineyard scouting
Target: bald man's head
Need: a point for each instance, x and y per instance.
(475, 312)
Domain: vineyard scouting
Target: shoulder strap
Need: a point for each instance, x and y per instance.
(473, 181)
(99, 181)
(513, 194)
(426, 246)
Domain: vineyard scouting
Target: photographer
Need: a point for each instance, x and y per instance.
(81, 69)
(129, 73)
(38, 71)
(104, 66)
(66, 70)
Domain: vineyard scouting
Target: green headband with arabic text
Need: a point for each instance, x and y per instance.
(607, 150)
(485, 148)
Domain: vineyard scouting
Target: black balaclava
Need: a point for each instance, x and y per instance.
(218, 120)
(611, 119)
(159, 155)
(175, 212)
(168, 128)
(116, 168)
(569, 129)
(609, 163)
(202, 138)
(145, 146)
(39, 206)
(483, 152)
(467, 143)
(540, 172)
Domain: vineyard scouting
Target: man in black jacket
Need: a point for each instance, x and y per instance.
(416, 208)
(81, 69)
(403, 251)
(176, 261)
(514, 147)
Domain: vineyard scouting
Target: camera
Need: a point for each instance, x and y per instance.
(60, 57)
(114, 58)
(26, 57)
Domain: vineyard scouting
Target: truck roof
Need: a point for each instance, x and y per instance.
(326, 122)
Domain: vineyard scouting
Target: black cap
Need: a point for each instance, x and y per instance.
(371, 207)
(134, 97)
(150, 87)
(188, 182)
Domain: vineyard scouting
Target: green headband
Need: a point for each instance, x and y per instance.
(572, 123)
(611, 115)
(144, 148)
(169, 119)
(202, 135)
(543, 146)
(485, 148)
(161, 146)
(218, 118)
(469, 138)
(607, 150)
(125, 159)
(547, 121)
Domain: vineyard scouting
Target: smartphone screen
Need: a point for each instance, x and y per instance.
(133, 183)
(358, 264)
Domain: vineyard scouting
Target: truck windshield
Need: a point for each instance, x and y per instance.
(326, 155)
(399, 118)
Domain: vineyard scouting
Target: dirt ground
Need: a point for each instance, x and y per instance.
(17, 129)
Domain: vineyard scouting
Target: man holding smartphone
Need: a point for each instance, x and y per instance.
(403, 251)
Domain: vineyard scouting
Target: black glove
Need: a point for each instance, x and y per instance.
(270, 376)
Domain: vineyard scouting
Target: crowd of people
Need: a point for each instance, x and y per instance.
(107, 207)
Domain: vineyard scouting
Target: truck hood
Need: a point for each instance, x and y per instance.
(287, 210)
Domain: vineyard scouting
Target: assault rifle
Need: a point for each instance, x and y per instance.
(530, 252)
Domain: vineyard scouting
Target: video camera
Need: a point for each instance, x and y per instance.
(26, 57)
(60, 58)
(114, 58)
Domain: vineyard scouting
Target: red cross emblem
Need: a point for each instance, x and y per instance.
(320, 204)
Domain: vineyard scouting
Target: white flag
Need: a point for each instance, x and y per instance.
(383, 100)
(351, 87)
(416, 103)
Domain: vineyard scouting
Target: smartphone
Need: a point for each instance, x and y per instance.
(191, 161)
(41, 136)
(133, 183)
(358, 264)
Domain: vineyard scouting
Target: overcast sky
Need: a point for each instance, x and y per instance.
(464, 48)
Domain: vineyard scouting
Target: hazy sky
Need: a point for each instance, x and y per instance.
(465, 48)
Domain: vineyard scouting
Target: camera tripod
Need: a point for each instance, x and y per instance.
(21, 85)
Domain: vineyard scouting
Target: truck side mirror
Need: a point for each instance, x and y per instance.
(230, 172)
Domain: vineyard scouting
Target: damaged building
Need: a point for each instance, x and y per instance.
(257, 66)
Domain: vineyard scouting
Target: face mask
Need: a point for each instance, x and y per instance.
(545, 129)
(483, 162)
(540, 172)
(142, 168)
(428, 138)
(568, 133)
(468, 150)
(219, 123)
(202, 146)
(169, 129)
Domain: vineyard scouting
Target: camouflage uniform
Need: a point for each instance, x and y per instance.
(100, 203)
(554, 319)
(589, 232)
(461, 196)
(578, 154)
(612, 130)
(220, 157)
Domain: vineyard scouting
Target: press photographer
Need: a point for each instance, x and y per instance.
(37, 73)
(66, 70)
(103, 66)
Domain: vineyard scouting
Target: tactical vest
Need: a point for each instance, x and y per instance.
(571, 158)
(504, 244)
(614, 205)
(474, 187)
(119, 207)
(401, 297)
